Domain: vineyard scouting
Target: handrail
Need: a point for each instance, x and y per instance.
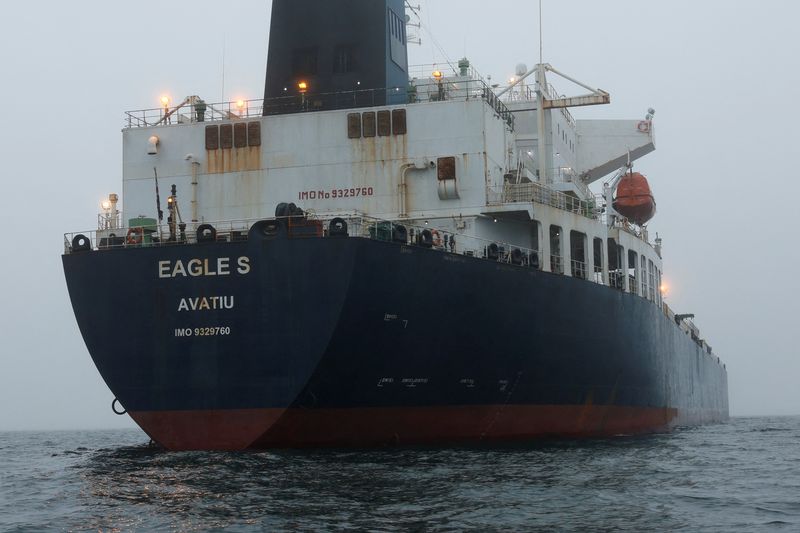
(541, 194)
(237, 230)
(195, 110)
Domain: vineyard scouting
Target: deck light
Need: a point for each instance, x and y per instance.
(106, 205)
(437, 74)
(240, 104)
(165, 101)
(303, 86)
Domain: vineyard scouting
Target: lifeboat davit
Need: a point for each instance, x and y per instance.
(634, 199)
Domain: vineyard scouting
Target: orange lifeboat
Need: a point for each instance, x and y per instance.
(634, 199)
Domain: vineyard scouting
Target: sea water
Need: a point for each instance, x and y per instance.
(739, 476)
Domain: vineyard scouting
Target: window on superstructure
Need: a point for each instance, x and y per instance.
(556, 260)
(240, 135)
(535, 229)
(354, 126)
(344, 59)
(254, 134)
(226, 136)
(399, 126)
(597, 246)
(577, 248)
(643, 275)
(370, 124)
(652, 278)
(633, 278)
(659, 294)
(212, 137)
(384, 123)
(613, 264)
(446, 168)
(304, 61)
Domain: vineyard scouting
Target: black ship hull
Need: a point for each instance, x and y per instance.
(356, 342)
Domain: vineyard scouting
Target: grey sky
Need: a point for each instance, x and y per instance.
(722, 76)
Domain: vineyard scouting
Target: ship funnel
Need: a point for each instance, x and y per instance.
(336, 54)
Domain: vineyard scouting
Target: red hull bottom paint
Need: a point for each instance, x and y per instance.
(365, 427)
(206, 430)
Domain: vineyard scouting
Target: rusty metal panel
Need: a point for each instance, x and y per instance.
(447, 168)
(384, 123)
(240, 135)
(226, 135)
(212, 137)
(369, 124)
(254, 134)
(399, 122)
(354, 126)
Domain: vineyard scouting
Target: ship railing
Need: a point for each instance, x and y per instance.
(541, 194)
(308, 226)
(556, 264)
(578, 269)
(616, 279)
(630, 228)
(568, 175)
(445, 240)
(427, 71)
(633, 285)
(194, 110)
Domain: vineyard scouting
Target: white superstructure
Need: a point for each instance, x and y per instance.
(481, 166)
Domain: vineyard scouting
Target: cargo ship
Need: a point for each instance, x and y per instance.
(375, 254)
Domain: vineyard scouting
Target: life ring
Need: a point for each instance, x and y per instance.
(644, 126)
(135, 236)
(437, 238)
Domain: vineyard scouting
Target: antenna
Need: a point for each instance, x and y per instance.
(541, 39)
(224, 45)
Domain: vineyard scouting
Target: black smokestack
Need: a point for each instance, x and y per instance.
(333, 54)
